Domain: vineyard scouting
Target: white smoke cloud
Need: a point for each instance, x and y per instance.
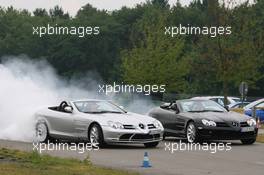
(27, 86)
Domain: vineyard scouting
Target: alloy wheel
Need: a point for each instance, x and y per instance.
(191, 133)
(94, 135)
(41, 132)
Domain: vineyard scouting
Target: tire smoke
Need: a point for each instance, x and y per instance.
(27, 86)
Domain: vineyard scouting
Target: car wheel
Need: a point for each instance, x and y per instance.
(42, 133)
(151, 144)
(191, 133)
(248, 141)
(96, 135)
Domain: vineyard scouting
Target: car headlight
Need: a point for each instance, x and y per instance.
(157, 124)
(115, 125)
(208, 122)
(251, 122)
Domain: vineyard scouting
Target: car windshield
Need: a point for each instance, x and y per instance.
(97, 107)
(255, 103)
(237, 100)
(239, 105)
(261, 105)
(201, 106)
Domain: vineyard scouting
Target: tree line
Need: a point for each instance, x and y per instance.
(132, 47)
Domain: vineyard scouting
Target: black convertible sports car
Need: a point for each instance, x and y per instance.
(199, 120)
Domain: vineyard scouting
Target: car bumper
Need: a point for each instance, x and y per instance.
(226, 134)
(136, 136)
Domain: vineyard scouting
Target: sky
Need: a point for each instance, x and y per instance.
(72, 6)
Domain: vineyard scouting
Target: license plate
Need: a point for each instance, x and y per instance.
(154, 132)
(247, 129)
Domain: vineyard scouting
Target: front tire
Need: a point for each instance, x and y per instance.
(191, 133)
(248, 141)
(96, 136)
(151, 144)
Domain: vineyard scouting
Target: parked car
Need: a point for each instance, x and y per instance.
(97, 121)
(220, 99)
(204, 120)
(238, 105)
(259, 105)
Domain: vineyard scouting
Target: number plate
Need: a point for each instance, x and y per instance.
(247, 129)
(154, 132)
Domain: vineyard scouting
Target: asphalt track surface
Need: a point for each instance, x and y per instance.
(240, 160)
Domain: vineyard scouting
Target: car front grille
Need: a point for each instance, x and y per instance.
(235, 124)
(145, 136)
(125, 136)
(138, 137)
(149, 126)
(221, 124)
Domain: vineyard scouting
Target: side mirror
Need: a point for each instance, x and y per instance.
(68, 109)
(175, 108)
(164, 105)
(227, 108)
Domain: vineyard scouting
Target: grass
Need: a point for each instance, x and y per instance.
(13, 162)
(260, 138)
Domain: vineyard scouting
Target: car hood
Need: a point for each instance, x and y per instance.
(219, 116)
(125, 118)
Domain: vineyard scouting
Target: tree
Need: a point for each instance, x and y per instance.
(196, 64)
(40, 12)
(161, 3)
(157, 59)
(57, 12)
(230, 59)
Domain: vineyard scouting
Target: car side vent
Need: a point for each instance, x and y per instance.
(151, 126)
(221, 124)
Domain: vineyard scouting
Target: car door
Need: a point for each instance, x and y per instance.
(61, 123)
(80, 124)
(171, 121)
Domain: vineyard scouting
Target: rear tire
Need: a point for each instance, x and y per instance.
(248, 141)
(42, 133)
(95, 136)
(151, 144)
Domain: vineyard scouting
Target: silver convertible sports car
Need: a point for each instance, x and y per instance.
(97, 121)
